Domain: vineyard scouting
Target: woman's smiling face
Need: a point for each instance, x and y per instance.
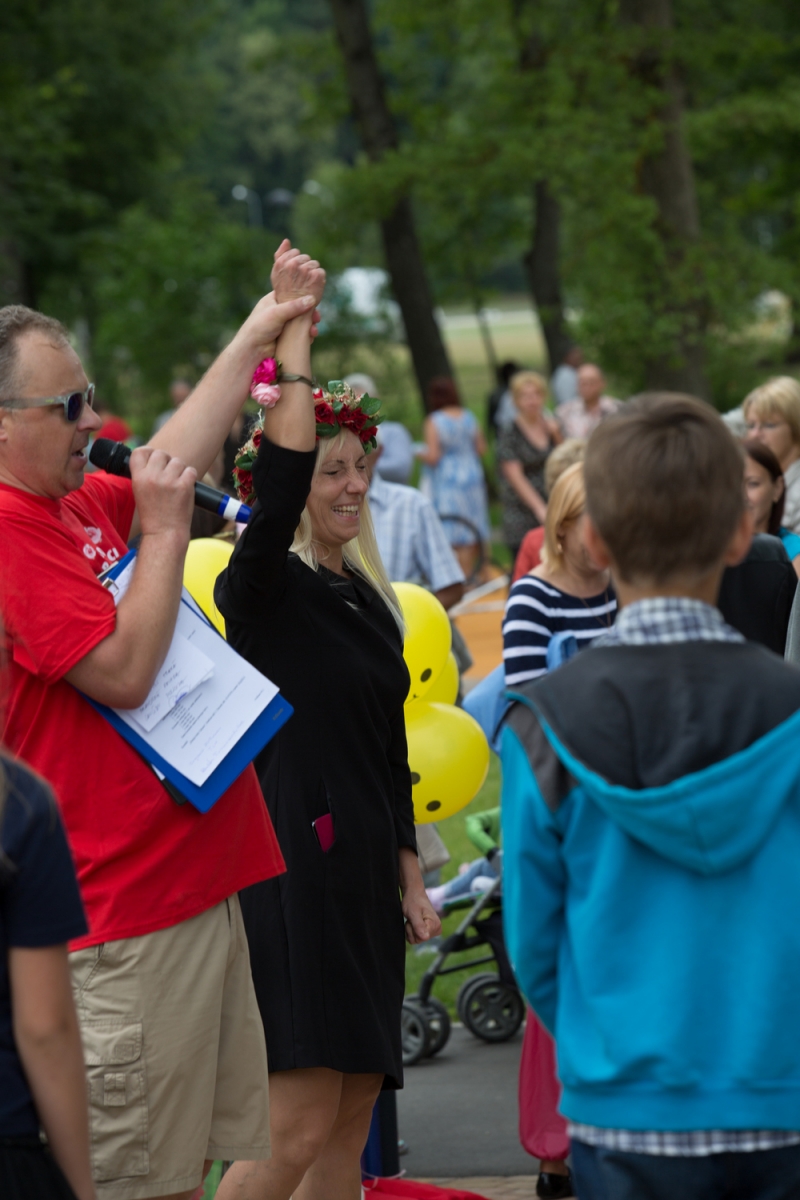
(337, 492)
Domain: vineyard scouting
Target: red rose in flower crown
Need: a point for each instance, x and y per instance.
(335, 408)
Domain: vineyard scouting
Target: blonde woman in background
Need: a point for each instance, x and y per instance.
(568, 591)
(522, 451)
(772, 416)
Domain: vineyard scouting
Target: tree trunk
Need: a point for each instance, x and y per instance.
(668, 177)
(542, 265)
(400, 242)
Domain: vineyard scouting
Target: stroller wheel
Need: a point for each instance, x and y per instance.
(415, 1032)
(493, 1011)
(438, 1022)
(468, 985)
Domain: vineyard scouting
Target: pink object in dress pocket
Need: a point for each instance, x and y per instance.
(323, 828)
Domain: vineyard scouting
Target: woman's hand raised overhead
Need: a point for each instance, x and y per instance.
(295, 274)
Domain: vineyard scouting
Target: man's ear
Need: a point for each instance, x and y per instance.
(4, 415)
(739, 545)
(595, 544)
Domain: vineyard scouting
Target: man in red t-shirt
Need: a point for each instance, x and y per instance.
(173, 1041)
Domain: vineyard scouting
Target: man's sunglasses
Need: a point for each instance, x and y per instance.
(72, 403)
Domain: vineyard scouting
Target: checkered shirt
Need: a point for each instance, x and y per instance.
(410, 536)
(660, 621)
(668, 619)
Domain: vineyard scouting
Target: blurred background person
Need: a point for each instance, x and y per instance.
(522, 451)
(397, 444)
(559, 460)
(765, 494)
(772, 416)
(452, 453)
(411, 539)
(500, 407)
(42, 1080)
(568, 591)
(564, 380)
(179, 390)
(580, 416)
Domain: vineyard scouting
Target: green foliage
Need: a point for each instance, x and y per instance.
(124, 128)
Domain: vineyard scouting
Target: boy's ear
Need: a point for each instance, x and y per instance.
(739, 545)
(595, 544)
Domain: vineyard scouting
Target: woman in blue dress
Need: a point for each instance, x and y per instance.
(455, 481)
(766, 492)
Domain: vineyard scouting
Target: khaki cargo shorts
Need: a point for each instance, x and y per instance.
(176, 1062)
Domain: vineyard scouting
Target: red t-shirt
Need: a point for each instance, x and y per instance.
(143, 861)
(529, 554)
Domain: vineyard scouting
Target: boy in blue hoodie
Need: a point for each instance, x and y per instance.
(651, 819)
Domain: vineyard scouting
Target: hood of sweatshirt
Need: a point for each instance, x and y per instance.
(728, 762)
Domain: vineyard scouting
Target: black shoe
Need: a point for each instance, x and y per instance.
(550, 1186)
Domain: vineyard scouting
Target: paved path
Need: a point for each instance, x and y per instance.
(458, 1112)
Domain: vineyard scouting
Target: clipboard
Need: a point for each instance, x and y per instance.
(262, 729)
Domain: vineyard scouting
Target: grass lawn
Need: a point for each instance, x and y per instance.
(461, 850)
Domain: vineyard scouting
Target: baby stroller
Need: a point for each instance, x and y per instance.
(489, 1003)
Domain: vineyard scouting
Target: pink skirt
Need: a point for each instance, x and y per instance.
(542, 1129)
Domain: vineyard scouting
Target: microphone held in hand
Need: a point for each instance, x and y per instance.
(115, 457)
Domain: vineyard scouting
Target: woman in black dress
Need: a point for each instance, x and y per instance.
(311, 607)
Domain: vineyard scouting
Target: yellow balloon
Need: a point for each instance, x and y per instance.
(444, 688)
(428, 636)
(205, 559)
(448, 755)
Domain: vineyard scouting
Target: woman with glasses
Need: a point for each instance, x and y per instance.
(772, 416)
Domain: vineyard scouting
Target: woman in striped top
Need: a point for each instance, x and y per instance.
(567, 592)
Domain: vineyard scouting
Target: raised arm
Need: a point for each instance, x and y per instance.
(199, 427)
(291, 422)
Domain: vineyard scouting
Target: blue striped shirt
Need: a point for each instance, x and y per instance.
(535, 611)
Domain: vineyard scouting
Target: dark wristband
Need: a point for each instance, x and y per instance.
(286, 377)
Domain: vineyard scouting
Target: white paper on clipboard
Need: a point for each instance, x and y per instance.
(200, 727)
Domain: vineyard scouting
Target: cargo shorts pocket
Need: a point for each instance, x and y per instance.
(112, 1051)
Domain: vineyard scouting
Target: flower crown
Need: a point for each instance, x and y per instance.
(336, 407)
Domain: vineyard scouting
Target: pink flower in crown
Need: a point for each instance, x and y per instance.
(265, 394)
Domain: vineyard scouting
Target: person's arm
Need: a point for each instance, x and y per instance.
(515, 476)
(197, 430)
(480, 441)
(432, 453)
(120, 670)
(422, 921)
(435, 558)
(256, 576)
(554, 429)
(49, 1044)
(477, 832)
(449, 596)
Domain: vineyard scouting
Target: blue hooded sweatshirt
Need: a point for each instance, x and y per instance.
(651, 825)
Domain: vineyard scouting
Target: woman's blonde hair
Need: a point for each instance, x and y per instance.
(519, 380)
(779, 395)
(361, 554)
(567, 502)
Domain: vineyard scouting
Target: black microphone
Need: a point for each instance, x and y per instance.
(115, 457)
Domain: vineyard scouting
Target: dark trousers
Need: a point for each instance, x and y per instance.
(601, 1174)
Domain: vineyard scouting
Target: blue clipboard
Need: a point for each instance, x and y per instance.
(251, 743)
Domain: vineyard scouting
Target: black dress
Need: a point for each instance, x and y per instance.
(326, 939)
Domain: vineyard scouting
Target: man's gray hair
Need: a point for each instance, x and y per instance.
(16, 320)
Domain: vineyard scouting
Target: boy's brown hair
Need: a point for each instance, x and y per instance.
(664, 486)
